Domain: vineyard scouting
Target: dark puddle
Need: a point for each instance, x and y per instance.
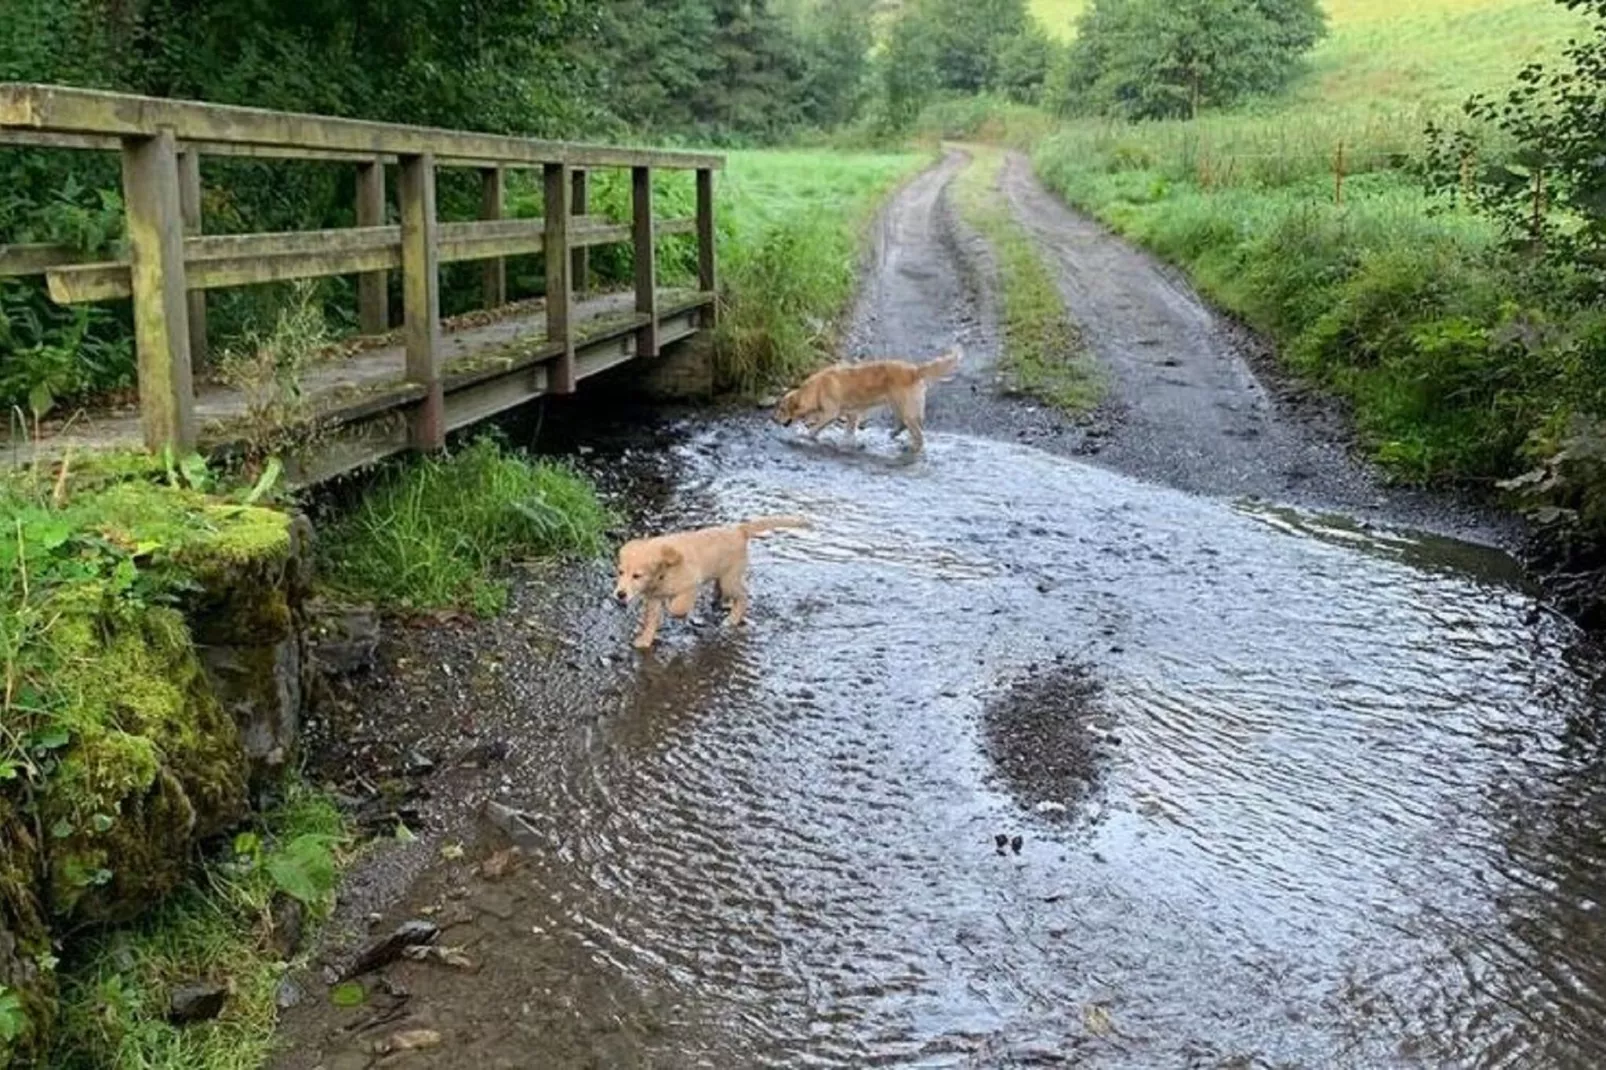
(1051, 738)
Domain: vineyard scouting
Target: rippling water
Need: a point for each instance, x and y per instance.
(1354, 818)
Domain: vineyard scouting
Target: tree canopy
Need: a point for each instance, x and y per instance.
(1170, 58)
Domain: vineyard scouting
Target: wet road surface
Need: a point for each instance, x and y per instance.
(1289, 790)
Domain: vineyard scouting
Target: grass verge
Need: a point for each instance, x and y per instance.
(1044, 355)
(221, 929)
(432, 531)
(791, 233)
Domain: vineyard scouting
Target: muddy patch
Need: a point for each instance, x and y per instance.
(1050, 737)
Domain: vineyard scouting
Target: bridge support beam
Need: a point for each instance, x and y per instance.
(580, 196)
(421, 297)
(707, 276)
(161, 300)
(373, 294)
(645, 242)
(559, 287)
(189, 203)
(493, 279)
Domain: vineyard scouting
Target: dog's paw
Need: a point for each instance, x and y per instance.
(642, 643)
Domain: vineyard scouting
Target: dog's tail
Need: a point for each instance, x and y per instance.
(944, 365)
(762, 524)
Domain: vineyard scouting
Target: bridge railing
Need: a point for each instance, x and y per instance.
(171, 263)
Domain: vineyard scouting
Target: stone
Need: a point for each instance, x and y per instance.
(383, 952)
(497, 904)
(289, 919)
(198, 1001)
(289, 994)
(500, 864)
(515, 824)
(344, 639)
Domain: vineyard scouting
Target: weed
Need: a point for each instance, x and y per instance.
(219, 928)
(267, 368)
(1044, 355)
(432, 530)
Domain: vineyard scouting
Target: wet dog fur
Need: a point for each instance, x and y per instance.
(847, 391)
(668, 571)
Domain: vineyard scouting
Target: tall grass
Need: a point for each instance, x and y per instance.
(433, 530)
(790, 236)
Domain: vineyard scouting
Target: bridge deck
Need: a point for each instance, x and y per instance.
(355, 398)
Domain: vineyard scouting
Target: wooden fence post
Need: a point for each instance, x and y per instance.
(645, 259)
(421, 297)
(580, 270)
(189, 203)
(373, 295)
(493, 283)
(559, 290)
(707, 278)
(161, 300)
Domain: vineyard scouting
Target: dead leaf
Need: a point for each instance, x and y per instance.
(414, 1040)
(500, 864)
(1096, 1020)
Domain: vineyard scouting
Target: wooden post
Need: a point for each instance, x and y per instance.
(161, 300)
(559, 290)
(493, 281)
(645, 257)
(189, 203)
(580, 270)
(373, 295)
(421, 296)
(707, 278)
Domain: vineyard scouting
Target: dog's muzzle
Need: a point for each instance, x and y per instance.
(622, 597)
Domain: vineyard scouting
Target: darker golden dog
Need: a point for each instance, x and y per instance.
(847, 391)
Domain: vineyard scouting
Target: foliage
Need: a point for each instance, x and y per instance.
(1044, 355)
(1167, 58)
(790, 232)
(221, 927)
(1547, 190)
(960, 46)
(266, 368)
(431, 531)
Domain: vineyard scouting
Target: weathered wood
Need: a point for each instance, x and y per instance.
(189, 202)
(373, 287)
(421, 300)
(669, 227)
(559, 292)
(645, 241)
(580, 197)
(220, 261)
(161, 310)
(493, 277)
(83, 111)
(36, 258)
(707, 276)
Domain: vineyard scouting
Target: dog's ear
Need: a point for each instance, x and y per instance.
(669, 559)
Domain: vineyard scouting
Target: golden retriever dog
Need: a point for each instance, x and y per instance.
(670, 570)
(847, 391)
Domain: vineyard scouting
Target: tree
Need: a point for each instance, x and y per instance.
(1548, 191)
(1171, 58)
(957, 46)
(837, 39)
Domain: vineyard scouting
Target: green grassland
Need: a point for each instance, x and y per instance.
(1305, 215)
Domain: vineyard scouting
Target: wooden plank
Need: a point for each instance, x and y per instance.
(645, 252)
(189, 203)
(35, 258)
(669, 227)
(421, 298)
(45, 139)
(559, 293)
(85, 111)
(161, 308)
(580, 196)
(707, 275)
(220, 261)
(373, 287)
(493, 277)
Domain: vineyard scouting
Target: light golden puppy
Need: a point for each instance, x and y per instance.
(847, 391)
(669, 570)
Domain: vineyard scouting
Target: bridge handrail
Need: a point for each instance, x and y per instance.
(170, 264)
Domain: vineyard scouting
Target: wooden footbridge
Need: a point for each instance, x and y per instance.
(392, 389)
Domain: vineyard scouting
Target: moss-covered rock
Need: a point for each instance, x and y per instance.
(27, 976)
